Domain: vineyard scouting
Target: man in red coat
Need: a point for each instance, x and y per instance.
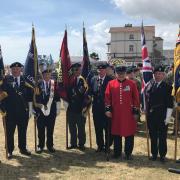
(122, 106)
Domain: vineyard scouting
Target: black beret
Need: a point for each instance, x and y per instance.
(140, 65)
(120, 69)
(159, 69)
(110, 66)
(16, 64)
(75, 65)
(136, 69)
(47, 71)
(102, 66)
(129, 70)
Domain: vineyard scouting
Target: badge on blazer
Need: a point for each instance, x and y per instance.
(126, 88)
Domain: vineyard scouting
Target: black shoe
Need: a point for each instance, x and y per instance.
(128, 157)
(73, 147)
(25, 152)
(10, 155)
(153, 158)
(99, 149)
(51, 150)
(116, 156)
(162, 159)
(39, 150)
(82, 148)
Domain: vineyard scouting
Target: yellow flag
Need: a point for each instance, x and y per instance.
(176, 85)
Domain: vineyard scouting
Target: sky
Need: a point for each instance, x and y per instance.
(50, 17)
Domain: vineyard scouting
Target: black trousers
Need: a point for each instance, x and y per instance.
(101, 124)
(129, 145)
(21, 123)
(46, 123)
(158, 135)
(77, 128)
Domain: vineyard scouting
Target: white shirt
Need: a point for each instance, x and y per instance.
(18, 80)
(158, 83)
(48, 83)
(102, 79)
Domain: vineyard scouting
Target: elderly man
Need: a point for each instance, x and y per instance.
(15, 104)
(98, 86)
(122, 106)
(48, 111)
(159, 104)
(76, 100)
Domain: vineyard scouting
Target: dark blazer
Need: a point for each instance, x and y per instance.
(77, 94)
(43, 97)
(158, 99)
(16, 103)
(97, 92)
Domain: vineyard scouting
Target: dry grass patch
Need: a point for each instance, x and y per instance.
(74, 164)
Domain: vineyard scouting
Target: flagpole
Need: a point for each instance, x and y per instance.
(145, 81)
(35, 77)
(176, 132)
(5, 135)
(90, 137)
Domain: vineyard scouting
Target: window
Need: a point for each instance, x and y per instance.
(131, 36)
(131, 48)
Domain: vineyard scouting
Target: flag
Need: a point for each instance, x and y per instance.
(176, 85)
(31, 64)
(64, 66)
(2, 71)
(147, 68)
(86, 62)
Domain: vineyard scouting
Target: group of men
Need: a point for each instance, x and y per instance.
(115, 94)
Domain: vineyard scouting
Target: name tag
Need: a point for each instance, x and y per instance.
(126, 88)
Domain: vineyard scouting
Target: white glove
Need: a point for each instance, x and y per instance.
(168, 116)
(58, 108)
(65, 104)
(30, 109)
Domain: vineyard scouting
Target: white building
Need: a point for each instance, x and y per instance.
(168, 56)
(125, 43)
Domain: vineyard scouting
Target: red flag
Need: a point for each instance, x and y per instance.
(65, 61)
(64, 64)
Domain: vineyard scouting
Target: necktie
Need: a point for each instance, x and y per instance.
(47, 87)
(156, 85)
(16, 83)
(100, 84)
(100, 81)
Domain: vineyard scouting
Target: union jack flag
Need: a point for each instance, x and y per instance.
(147, 68)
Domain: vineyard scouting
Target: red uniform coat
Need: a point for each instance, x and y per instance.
(122, 97)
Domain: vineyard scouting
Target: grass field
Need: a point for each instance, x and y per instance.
(74, 164)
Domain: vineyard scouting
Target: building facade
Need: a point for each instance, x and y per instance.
(125, 43)
(168, 56)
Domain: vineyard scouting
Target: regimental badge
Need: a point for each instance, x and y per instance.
(126, 88)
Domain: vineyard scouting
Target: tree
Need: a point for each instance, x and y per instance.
(94, 56)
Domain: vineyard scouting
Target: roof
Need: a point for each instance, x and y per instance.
(131, 29)
(158, 38)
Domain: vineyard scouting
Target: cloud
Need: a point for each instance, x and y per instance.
(15, 46)
(98, 38)
(162, 10)
(164, 13)
(169, 33)
(75, 32)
